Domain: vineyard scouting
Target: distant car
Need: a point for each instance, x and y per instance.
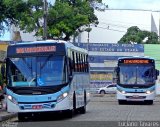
(107, 89)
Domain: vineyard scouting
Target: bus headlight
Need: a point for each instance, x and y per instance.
(12, 99)
(123, 92)
(61, 97)
(148, 92)
(65, 95)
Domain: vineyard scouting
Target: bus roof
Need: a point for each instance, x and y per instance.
(40, 42)
(66, 43)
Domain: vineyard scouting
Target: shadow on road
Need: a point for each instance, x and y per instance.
(56, 116)
(135, 103)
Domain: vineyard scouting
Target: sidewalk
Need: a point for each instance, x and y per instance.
(4, 115)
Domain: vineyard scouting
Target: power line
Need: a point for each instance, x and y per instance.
(109, 24)
(107, 28)
(150, 10)
(147, 26)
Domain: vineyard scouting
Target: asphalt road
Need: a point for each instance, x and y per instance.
(102, 111)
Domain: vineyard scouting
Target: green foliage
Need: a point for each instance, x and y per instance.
(10, 11)
(30, 20)
(134, 34)
(65, 19)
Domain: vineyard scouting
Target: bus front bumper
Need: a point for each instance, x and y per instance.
(64, 104)
(135, 96)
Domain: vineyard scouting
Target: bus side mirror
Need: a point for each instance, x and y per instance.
(116, 71)
(70, 78)
(157, 73)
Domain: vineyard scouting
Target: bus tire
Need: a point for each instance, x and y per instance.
(21, 116)
(121, 102)
(69, 113)
(74, 102)
(149, 102)
(82, 109)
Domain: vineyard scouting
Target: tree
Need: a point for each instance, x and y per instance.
(135, 35)
(10, 11)
(67, 18)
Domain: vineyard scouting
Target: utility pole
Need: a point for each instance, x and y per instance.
(45, 20)
(88, 30)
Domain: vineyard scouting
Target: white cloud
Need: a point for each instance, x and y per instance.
(133, 4)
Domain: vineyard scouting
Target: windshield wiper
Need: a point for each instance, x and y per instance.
(29, 67)
(46, 61)
(31, 81)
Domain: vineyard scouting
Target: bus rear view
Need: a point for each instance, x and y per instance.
(136, 78)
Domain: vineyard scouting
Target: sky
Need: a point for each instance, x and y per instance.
(153, 5)
(133, 4)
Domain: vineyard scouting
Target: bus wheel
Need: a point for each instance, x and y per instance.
(74, 103)
(69, 113)
(21, 116)
(121, 102)
(149, 102)
(82, 109)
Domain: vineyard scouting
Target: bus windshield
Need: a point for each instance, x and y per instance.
(36, 71)
(135, 75)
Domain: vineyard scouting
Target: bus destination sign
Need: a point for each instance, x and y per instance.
(20, 50)
(136, 61)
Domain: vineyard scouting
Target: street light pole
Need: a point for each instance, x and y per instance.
(45, 20)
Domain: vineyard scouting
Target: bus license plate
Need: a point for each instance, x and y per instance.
(37, 107)
(135, 96)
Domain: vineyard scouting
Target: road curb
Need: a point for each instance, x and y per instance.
(8, 116)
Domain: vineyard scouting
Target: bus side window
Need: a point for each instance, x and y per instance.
(87, 63)
(70, 68)
(73, 61)
(77, 69)
(82, 58)
(80, 63)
